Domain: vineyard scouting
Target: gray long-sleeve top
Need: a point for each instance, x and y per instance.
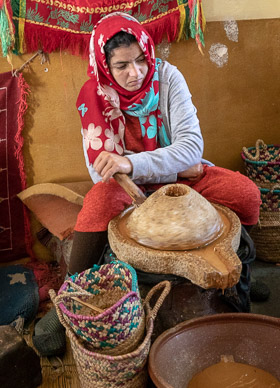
(182, 128)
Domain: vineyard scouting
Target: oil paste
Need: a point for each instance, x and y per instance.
(233, 375)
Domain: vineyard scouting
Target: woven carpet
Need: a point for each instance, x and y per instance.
(14, 223)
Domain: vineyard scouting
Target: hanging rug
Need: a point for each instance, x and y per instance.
(67, 24)
(15, 234)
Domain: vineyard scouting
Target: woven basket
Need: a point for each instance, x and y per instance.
(97, 370)
(266, 235)
(270, 199)
(267, 242)
(103, 307)
(262, 163)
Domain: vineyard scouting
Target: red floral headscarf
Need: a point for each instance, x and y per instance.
(101, 99)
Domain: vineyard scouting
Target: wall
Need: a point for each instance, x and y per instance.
(235, 87)
(219, 10)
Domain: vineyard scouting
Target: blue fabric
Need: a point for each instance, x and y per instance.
(149, 104)
(19, 296)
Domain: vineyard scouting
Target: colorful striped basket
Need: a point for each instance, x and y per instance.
(129, 370)
(266, 235)
(103, 307)
(271, 199)
(262, 163)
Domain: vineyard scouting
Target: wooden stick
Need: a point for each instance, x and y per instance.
(96, 309)
(39, 52)
(131, 188)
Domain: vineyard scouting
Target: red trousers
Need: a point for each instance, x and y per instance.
(231, 189)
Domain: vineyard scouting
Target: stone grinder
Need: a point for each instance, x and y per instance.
(177, 231)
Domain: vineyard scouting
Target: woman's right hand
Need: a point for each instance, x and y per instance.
(107, 164)
(192, 173)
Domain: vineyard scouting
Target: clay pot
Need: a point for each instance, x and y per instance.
(175, 217)
(190, 347)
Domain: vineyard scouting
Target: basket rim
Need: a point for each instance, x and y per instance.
(260, 162)
(114, 263)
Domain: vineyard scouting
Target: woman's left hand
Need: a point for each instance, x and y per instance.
(193, 173)
(107, 164)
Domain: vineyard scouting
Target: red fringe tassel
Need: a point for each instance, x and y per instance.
(24, 91)
(50, 39)
(167, 26)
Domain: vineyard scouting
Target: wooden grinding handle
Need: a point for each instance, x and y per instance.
(131, 188)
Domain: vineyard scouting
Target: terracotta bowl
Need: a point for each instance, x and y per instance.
(188, 348)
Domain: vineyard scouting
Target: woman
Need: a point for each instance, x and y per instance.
(138, 118)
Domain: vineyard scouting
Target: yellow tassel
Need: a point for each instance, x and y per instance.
(197, 14)
(21, 25)
(203, 19)
(200, 49)
(9, 60)
(182, 20)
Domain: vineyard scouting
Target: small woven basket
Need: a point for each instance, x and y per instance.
(129, 370)
(103, 307)
(266, 234)
(262, 163)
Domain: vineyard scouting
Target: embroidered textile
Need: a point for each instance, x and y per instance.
(15, 235)
(67, 24)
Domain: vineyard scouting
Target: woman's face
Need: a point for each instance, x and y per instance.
(129, 66)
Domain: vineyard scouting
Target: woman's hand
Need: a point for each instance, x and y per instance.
(107, 164)
(192, 173)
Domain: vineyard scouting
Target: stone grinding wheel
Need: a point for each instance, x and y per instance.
(208, 263)
(175, 217)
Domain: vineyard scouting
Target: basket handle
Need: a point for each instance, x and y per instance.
(249, 156)
(152, 312)
(55, 300)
